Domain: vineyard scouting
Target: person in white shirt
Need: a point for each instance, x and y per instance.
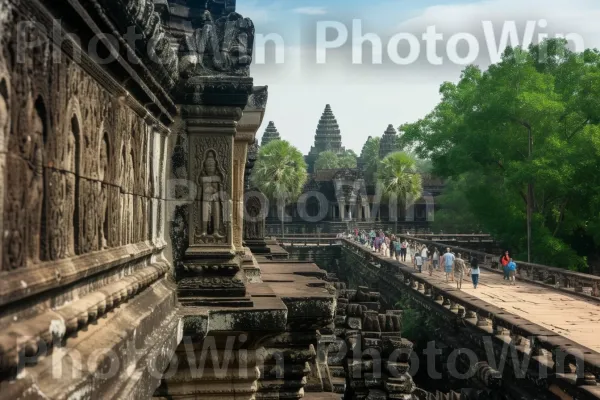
(425, 255)
(419, 261)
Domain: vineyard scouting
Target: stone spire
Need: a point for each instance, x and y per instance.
(361, 158)
(327, 138)
(389, 142)
(270, 134)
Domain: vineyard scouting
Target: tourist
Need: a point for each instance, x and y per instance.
(474, 271)
(430, 268)
(436, 259)
(419, 263)
(459, 271)
(404, 250)
(425, 254)
(384, 248)
(512, 272)
(387, 242)
(504, 260)
(372, 239)
(448, 263)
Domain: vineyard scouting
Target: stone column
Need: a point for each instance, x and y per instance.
(210, 110)
(246, 132)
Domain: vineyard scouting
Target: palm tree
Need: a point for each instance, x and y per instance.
(348, 159)
(327, 160)
(280, 174)
(398, 174)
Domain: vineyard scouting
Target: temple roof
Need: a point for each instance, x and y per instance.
(328, 136)
(389, 142)
(270, 134)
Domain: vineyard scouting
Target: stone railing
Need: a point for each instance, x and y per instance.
(571, 366)
(310, 240)
(556, 278)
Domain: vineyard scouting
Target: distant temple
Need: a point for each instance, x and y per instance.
(336, 199)
(270, 134)
(389, 142)
(327, 138)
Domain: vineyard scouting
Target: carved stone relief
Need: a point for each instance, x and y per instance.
(211, 159)
(71, 158)
(224, 46)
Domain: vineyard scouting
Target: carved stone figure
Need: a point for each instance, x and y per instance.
(254, 225)
(210, 227)
(222, 46)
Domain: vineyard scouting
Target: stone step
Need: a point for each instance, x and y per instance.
(339, 385)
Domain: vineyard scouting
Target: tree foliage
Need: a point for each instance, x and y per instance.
(331, 160)
(478, 136)
(279, 172)
(398, 174)
(348, 159)
(370, 158)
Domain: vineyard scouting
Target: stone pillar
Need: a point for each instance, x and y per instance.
(211, 265)
(245, 135)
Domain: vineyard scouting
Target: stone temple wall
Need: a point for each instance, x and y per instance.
(82, 194)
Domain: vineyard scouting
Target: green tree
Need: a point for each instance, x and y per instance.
(280, 174)
(480, 132)
(348, 159)
(397, 173)
(327, 160)
(370, 158)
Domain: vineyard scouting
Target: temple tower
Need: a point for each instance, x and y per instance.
(270, 134)
(327, 138)
(361, 158)
(389, 142)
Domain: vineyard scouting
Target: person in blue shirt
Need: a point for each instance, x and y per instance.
(512, 272)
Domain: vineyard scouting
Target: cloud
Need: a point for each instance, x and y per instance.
(310, 10)
(260, 14)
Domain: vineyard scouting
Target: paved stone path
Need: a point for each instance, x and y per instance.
(571, 316)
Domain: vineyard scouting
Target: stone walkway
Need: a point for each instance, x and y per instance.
(570, 316)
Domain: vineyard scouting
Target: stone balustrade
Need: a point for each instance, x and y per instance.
(570, 366)
(562, 279)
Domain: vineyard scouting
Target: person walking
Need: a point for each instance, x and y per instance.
(430, 268)
(388, 249)
(459, 271)
(425, 255)
(419, 262)
(436, 259)
(384, 248)
(448, 263)
(474, 271)
(504, 260)
(403, 250)
(512, 272)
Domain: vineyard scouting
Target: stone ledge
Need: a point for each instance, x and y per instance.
(25, 282)
(84, 362)
(40, 333)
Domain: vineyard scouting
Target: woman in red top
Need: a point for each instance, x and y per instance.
(504, 260)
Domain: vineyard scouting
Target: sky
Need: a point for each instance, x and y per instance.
(397, 79)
